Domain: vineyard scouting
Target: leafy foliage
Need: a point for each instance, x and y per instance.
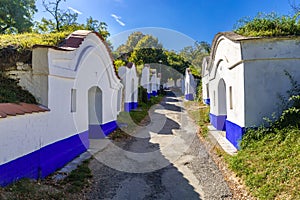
(269, 25)
(146, 49)
(270, 166)
(61, 18)
(289, 118)
(11, 92)
(16, 15)
(270, 156)
(65, 20)
(28, 40)
(195, 54)
(143, 95)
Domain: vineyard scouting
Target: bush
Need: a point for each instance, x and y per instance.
(143, 95)
(268, 25)
(11, 92)
(288, 119)
(28, 40)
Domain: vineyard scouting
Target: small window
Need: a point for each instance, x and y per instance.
(230, 97)
(207, 90)
(214, 98)
(73, 100)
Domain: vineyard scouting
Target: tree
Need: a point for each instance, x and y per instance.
(61, 17)
(148, 41)
(65, 20)
(130, 44)
(16, 15)
(295, 6)
(195, 54)
(95, 25)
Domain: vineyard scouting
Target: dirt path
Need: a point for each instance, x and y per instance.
(164, 160)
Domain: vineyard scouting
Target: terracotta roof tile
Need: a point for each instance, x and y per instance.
(13, 109)
(75, 39)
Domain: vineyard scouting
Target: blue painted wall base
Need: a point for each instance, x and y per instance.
(130, 106)
(134, 105)
(149, 95)
(44, 161)
(207, 101)
(234, 133)
(218, 121)
(189, 97)
(154, 93)
(127, 107)
(102, 130)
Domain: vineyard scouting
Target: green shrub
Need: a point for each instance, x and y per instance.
(11, 92)
(143, 95)
(268, 25)
(269, 158)
(28, 40)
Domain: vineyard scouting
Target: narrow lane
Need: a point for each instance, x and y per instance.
(164, 160)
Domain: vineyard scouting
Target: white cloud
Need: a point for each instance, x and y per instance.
(117, 18)
(75, 11)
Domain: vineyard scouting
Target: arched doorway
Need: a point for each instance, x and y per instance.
(132, 94)
(95, 112)
(222, 108)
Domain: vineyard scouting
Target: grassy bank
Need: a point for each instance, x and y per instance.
(70, 188)
(269, 161)
(200, 113)
(134, 118)
(270, 166)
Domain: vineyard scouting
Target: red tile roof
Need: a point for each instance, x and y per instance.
(13, 109)
(75, 39)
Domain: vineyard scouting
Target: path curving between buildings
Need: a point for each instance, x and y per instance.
(164, 160)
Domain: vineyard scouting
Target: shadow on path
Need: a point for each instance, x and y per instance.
(142, 167)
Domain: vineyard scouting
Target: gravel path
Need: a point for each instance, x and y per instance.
(164, 160)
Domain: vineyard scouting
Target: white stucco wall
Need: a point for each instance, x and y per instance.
(21, 135)
(135, 79)
(88, 66)
(254, 69)
(205, 78)
(145, 78)
(226, 65)
(153, 80)
(130, 81)
(189, 81)
(265, 79)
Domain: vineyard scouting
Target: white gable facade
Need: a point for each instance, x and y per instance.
(153, 82)
(189, 86)
(245, 76)
(205, 81)
(145, 80)
(79, 85)
(130, 80)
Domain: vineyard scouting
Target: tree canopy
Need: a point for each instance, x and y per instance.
(195, 54)
(65, 20)
(146, 49)
(16, 15)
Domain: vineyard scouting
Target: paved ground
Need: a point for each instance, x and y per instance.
(164, 160)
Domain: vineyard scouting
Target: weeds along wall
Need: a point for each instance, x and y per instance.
(245, 76)
(78, 83)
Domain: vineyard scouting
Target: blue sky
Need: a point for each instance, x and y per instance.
(175, 23)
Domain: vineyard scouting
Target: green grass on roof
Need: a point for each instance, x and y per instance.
(28, 40)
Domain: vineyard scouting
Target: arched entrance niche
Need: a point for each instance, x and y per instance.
(95, 112)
